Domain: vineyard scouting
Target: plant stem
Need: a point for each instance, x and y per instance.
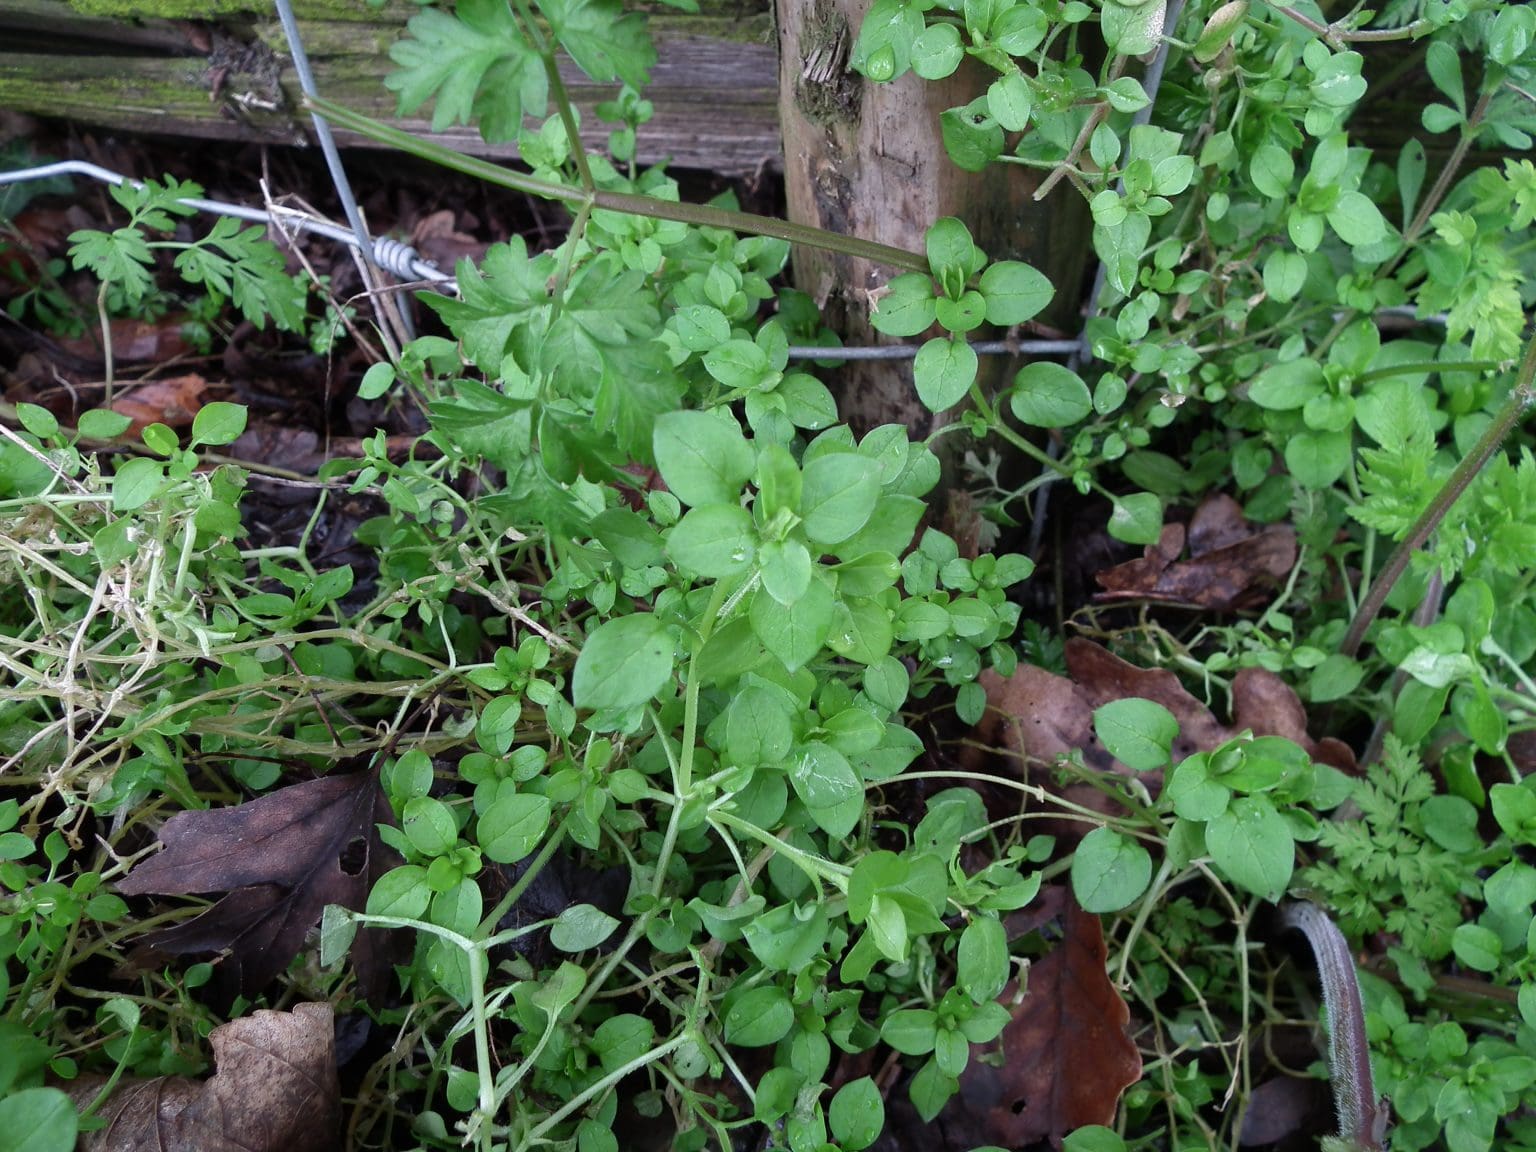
(562, 100)
(700, 215)
(1487, 444)
(1361, 1118)
(1453, 164)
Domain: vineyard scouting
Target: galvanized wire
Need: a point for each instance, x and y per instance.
(392, 255)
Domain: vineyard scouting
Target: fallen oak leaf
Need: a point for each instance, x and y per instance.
(281, 858)
(275, 1090)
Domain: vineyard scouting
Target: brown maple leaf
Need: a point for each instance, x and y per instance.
(281, 858)
(1230, 564)
(275, 1090)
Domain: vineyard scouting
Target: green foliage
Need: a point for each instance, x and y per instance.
(230, 263)
(670, 617)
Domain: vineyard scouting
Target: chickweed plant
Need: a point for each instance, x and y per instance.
(654, 656)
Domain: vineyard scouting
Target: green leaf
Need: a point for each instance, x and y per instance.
(1137, 518)
(944, 372)
(379, 379)
(1477, 947)
(429, 826)
(103, 424)
(1317, 459)
(1252, 844)
(789, 937)
(907, 308)
(971, 137)
(762, 1016)
(512, 827)
(1443, 64)
(700, 327)
(136, 483)
(38, 1120)
(477, 65)
(794, 637)
(737, 363)
(1272, 171)
(1010, 100)
(937, 52)
(1514, 807)
(887, 926)
(837, 495)
(1049, 395)
(1093, 1137)
(1511, 35)
(622, 1038)
(952, 253)
(828, 786)
(1015, 292)
(1192, 792)
(808, 403)
(982, 959)
(786, 568)
(965, 313)
(1356, 220)
(857, 1113)
(1133, 30)
(1218, 30)
(624, 662)
(218, 423)
(758, 728)
(581, 926)
(400, 892)
(713, 541)
(911, 1031)
(1282, 387)
(606, 42)
(37, 420)
(1138, 733)
(704, 459)
(1109, 871)
(1285, 273)
(629, 536)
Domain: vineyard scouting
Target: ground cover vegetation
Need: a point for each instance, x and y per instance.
(664, 776)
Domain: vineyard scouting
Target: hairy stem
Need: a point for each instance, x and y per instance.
(701, 215)
(1361, 1118)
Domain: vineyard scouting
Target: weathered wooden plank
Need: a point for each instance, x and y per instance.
(714, 87)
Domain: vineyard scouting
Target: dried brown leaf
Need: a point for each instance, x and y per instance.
(282, 858)
(1067, 1055)
(1230, 564)
(275, 1090)
(1042, 715)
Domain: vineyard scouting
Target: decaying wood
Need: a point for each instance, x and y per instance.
(714, 87)
(867, 160)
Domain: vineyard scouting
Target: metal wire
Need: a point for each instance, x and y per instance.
(910, 351)
(339, 179)
(392, 255)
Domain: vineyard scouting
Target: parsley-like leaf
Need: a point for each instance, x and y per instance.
(606, 42)
(476, 64)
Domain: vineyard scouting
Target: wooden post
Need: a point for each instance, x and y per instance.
(867, 159)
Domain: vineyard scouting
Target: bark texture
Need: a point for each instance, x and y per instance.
(867, 159)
